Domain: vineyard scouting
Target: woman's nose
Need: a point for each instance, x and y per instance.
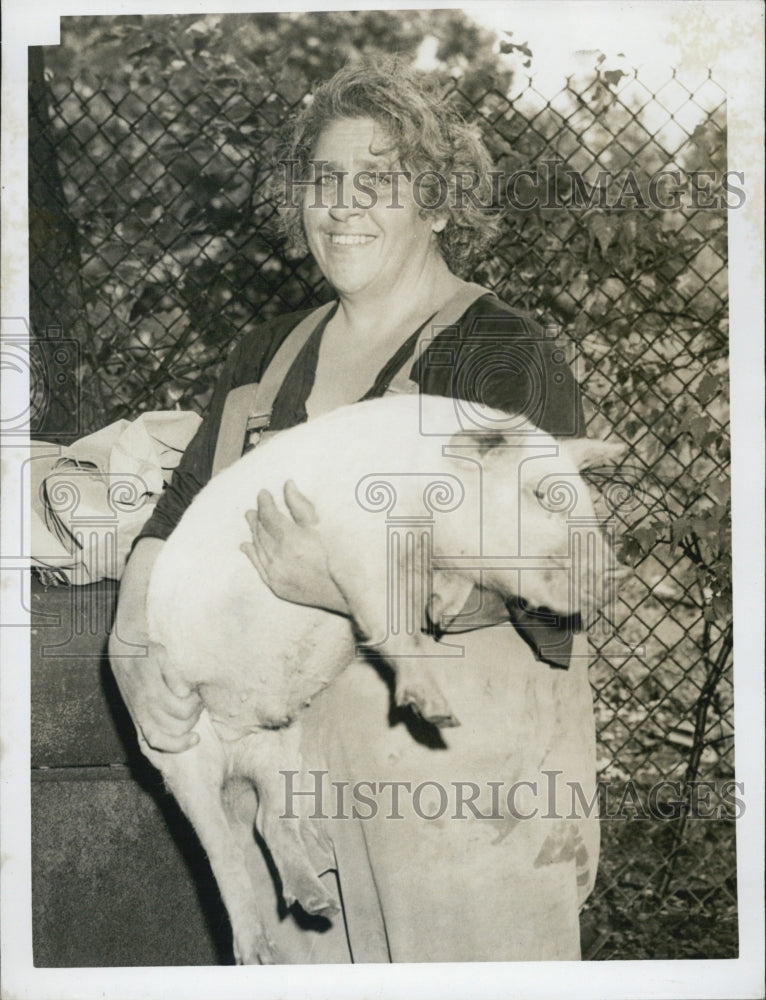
(344, 205)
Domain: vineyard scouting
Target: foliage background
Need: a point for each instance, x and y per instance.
(152, 140)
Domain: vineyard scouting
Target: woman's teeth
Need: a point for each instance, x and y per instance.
(349, 241)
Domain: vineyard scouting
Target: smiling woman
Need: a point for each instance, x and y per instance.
(369, 251)
(369, 255)
(417, 136)
(373, 149)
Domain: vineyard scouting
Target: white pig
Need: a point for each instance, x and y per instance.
(418, 496)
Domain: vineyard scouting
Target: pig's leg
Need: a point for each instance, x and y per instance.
(445, 595)
(391, 615)
(415, 684)
(262, 757)
(196, 777)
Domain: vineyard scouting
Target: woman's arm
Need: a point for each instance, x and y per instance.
(196, 465)
(164, 717)
(246, 363)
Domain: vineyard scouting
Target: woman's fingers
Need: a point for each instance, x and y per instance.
(161, 738)
(162, 716)
(269, 526)
(302, 509)
(260, 550)
(252, 554)
(285, 549)
(184, 708)
(268, 516)
(171, 718)
(175, 744)
(180, 689)
(288, 553)
(265, 541)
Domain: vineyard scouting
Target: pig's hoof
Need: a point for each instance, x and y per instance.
(443, 721)
(435, 711)
(321, 907)
(317, 901)
(312, 896)
(257, 952)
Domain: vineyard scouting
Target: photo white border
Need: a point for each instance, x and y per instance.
(740, 49)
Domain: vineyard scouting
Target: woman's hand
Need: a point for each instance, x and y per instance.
(289, 553)
(163, 717)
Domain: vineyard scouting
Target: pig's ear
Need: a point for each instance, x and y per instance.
(587, 453)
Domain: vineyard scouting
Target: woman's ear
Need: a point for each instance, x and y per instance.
(439, 223)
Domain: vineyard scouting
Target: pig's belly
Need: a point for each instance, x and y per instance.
(255, 658)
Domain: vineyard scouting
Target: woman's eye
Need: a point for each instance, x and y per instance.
(325, 182)
(376, 180)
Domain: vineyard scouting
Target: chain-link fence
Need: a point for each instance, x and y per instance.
(162, 181)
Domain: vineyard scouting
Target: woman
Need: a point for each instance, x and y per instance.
(380, 166)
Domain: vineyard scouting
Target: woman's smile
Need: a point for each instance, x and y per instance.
(349, 239)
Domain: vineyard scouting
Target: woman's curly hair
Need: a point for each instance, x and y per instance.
(429, 137)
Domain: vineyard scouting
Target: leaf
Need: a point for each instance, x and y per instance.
(719, 490)
(698, 427)
(604, 228)
(708, 387)
(722, 606)
(646, 537)
(706, 527)
(679, 528)
(613, 76)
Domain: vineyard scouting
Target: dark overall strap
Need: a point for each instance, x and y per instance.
(248, 407)
(447, 316)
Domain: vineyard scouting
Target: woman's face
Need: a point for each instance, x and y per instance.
(367, 235)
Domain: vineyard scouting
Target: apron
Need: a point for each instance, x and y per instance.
(425, 877)
(491, 845)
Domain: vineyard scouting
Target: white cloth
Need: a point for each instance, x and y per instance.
(90, 501)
